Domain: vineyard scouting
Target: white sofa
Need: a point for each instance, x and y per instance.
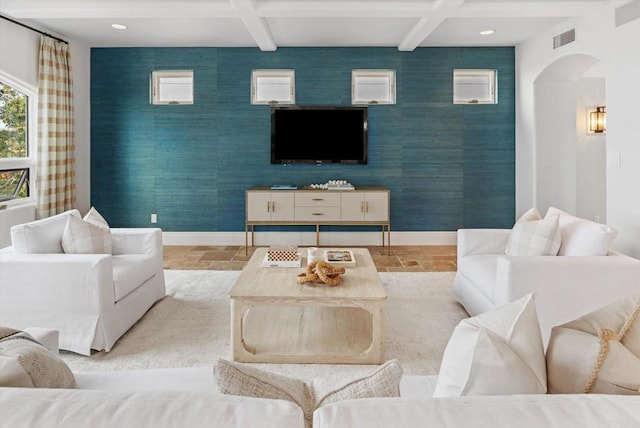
(91, 299)
(186, 397)
(566, 287)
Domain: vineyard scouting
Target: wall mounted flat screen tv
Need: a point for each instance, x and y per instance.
(319, 135)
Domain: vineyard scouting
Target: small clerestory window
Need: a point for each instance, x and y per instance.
(475, 86)
(172, 87)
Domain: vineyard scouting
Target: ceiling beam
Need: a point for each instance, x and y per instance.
(427, 25)
(256, 25)
(526, 9)
(343, 9)
(70, 9)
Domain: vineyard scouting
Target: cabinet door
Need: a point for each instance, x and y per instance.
(282, 206)
(376, 206)
(258, 206)
(352, 206)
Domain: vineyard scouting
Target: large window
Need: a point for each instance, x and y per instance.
(17, 125)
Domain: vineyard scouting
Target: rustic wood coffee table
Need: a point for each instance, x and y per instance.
(276, 320)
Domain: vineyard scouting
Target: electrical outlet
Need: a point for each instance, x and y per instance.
(154, 218)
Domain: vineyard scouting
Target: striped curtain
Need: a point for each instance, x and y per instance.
(56, 151)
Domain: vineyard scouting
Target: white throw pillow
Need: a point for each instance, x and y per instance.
(534, 238)
(242, 379)
(82, 237)
(496, 353)
(41, 236)
(598, 353)
(581, 237)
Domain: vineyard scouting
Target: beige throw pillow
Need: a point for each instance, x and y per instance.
(499, 352)
(82, 237)
(534, 237)
(94, 217)
(242, 379)
(597, 353)
(24, 362)
(531, 215)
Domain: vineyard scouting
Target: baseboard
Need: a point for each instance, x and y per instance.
(306, 239)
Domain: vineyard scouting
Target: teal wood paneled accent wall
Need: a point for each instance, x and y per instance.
(447, 166)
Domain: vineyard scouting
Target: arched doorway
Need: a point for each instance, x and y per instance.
(570, 162)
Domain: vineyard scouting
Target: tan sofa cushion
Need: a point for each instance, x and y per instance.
(24, 362)
(597, 353)
(242, 379)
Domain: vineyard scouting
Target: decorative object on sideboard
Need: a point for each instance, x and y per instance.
(333, 185)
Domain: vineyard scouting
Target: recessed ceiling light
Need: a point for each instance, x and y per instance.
(119, 26)
(487, 32)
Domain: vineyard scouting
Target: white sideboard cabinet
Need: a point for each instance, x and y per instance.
(364, 206)
(268, 206)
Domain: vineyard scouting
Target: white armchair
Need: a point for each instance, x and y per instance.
(565, 287)
(91, 299)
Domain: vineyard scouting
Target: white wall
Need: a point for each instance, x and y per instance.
(623, 135)
(19, 58)
(617, 47)
(555, 112)
(591, 157)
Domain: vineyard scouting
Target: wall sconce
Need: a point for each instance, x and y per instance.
(598, 120)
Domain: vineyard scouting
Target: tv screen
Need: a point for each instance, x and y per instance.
(317, 135)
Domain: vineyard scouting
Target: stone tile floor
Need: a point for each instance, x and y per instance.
(432, 258)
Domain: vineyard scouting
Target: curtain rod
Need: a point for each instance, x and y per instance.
(33, 29)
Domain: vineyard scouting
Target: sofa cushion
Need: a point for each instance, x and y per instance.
(496, 353)
(130, 271)
(535, 238)
(581, 237)
(82, 237)
(24, 362)
(597, 353)
(528, 411)
(242, 379)
(41, 236)
(73, 408)
(481, 272)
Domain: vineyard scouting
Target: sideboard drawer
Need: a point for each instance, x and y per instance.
(317, 199)
(317, 214)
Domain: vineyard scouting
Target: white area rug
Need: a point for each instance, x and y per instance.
(190, 326)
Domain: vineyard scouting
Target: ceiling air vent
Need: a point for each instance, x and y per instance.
(564, 38)
(627, 13)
